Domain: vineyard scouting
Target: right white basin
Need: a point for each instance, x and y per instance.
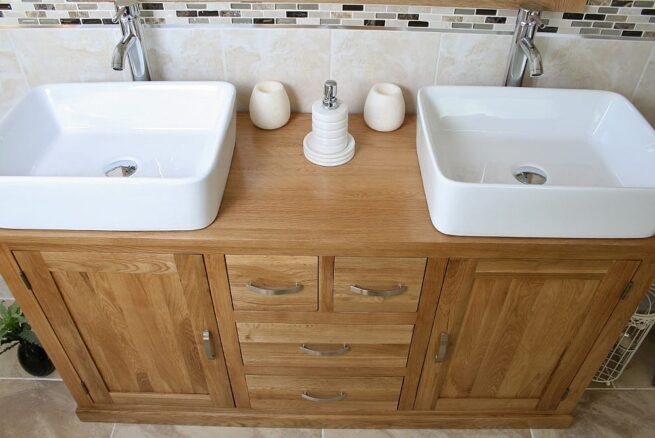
(529, 162)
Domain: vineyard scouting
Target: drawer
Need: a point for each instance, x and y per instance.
(348, 354)
(273, 282)
(317, 394)
(377, 284)
(325, 345)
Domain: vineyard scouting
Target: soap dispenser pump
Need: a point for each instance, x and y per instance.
(329, 143)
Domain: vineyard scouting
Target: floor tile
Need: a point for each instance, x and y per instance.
(641, 370)
(41, 409)
(427, 433)
(156, 431)
(609, 414)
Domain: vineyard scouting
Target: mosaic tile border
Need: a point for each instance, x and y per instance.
(604, 18)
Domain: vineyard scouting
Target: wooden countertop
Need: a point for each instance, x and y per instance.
(277, 202)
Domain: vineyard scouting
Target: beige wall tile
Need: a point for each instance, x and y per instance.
(590, 63)
(299, 58)
(472, 59)
(152, 431)
(43, 409)
(66, 55)
(185, 54)
(644, 96)
(12, 82)
(361, 58)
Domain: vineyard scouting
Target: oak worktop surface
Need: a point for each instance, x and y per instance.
(278, 202)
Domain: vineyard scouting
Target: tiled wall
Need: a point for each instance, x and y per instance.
(611, 18)
(303, 55)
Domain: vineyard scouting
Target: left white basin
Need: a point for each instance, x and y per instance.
(117, 156)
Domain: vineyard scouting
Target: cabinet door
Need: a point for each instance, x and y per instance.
(511, 334)
(139, 328)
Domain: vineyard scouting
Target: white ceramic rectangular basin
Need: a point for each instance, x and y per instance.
(594, 149)
(66, 152)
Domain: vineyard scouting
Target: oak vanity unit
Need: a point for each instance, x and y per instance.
(325, 297)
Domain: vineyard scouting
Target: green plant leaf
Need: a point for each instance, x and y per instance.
(28, 335)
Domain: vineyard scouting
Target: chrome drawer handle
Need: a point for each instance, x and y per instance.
(209, 347)
(306, 396)
(272, 290)
(378, 293)
(443, 347)
(343, 350)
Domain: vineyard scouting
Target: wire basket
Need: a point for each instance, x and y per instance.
(628, 343)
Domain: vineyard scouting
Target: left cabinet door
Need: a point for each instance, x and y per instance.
(138, 328)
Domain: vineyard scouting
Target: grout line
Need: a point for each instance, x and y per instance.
(42, 379)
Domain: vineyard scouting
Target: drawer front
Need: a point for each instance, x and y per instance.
(273, 282)
(377, 284)
(280, 333)
(331, 355)
(318, 394)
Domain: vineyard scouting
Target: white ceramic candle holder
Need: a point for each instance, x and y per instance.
(384, 109)
(269, 105)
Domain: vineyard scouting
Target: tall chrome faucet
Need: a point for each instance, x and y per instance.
(523, 51)
(131, 46)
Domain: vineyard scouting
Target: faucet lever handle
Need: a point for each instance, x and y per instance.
(535, 20)
(120, 12)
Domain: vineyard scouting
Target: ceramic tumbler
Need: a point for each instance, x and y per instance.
(269, 105)
(384, 109)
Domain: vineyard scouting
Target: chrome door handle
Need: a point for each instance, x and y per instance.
(338, 352)
(378, 293)
(209, 346)
(272, 290)
(443, 347)
(305, 396)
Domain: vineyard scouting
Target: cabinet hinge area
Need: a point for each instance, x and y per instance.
(85, 388)
(627, 290)
(25, 281)
(566, 394)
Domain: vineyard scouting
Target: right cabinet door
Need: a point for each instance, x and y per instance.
(510, 335)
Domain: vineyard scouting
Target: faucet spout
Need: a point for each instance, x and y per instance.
(533, 55)
(523, 54)
(131, 47)
(120, 52)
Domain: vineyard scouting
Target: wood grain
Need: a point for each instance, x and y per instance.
(326, 284)
(377, 273)
(39, 322)
(129, 263)
(360, 355)
(273, 272)
(324, 333)
(517, 335)
(220, 292)
(431, 290)
(120, 324)
(362, 393)
(302, 418)
(278, 203)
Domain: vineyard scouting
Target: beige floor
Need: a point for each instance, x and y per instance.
(31, 407)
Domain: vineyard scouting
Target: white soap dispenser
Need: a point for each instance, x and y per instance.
(329, 143)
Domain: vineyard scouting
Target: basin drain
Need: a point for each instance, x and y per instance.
(121, 168)
(530, 175)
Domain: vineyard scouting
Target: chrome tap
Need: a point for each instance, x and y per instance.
(131, 46)
(523, 50)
